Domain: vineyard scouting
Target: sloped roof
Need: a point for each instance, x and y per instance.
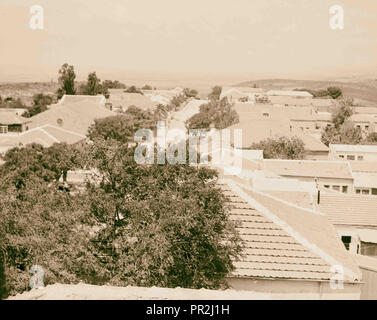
(125, 100)
(68, 99)
(289, 93)
(363, 166)
(365, 179)
(254, 131)
(354, 147)
(75, 117)
(284, 241)
(344, 209)
(11, 118)
(309, 168)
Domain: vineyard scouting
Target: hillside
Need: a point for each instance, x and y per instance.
(365, 92)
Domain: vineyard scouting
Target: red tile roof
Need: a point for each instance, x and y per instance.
(284, 241)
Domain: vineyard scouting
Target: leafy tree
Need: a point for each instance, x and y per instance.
(67, 80)
(93, 86)
(281, 148)
(40, 103)
(132, 89)
(113, 84)
(215, 94)
(190, 93)
(342, 129)
(165, 224)
(123, 126)
(371, 138)
(334, 92)
(147, 87)
(217, 113)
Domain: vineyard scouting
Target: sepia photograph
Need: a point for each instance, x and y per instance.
(189, 154)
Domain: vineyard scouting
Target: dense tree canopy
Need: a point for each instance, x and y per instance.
(215, 94)
(281, 148)
(67, 78)
(217, 113)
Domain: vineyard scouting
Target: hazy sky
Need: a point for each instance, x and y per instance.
(238, 36)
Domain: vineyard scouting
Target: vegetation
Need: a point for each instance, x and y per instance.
(133, 89)
(67, 80)
(40, 103)
(109, 84)
(147, 87)
(333, 92)
(342, 129)
(216, 113)
(190, 93)
(10, 102)
(93, 86)
(281, 148)
(161, 225)
(215, 94)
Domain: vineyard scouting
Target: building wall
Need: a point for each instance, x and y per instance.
(316, 155)
(369, 287)
(297, 289)
(331, 182)
(366, 156)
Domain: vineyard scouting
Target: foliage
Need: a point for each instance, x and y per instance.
(133, 89)
(67, 80)
(40, 103)
(334, 92)
(109, 84)
(190, 93)
(165, 224)
(93, 86)
(147, 87)
(281, 148)
(123, 126)
(215, 94)
(217, 113)
(342, 130)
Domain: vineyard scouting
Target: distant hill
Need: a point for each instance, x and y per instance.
(365, 92)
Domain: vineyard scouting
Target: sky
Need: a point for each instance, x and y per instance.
(220, 36)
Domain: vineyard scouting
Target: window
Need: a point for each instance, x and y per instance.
(341, 156)
(350, 157)
(358, 191)
(337, 188)
(358, 126)
(266, 114)
(365, 191)
(346, 240)
(374, 191)
(3, 129)
(327, 186)
(366, 127)
(360, 158)
(344, 189)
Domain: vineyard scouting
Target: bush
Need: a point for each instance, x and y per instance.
(281, 148)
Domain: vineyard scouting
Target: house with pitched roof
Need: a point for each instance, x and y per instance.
(287, 249)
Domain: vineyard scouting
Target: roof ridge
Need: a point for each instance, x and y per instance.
(287, 228)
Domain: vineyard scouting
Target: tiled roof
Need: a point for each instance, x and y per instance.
(75, 117)
(355, 210)
(11, 118)
(68, 99)
(125, 100)
(283, 241)
(309, 168)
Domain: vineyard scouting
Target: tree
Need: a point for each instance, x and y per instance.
(334, 92)
(165, 224)
(123, 126)
(190, 93)
(217, 113)
(147, 87)
(67, 80)
(93, 86)
(133, 89)
(342, 129)
(281, 148)
(113, 84)
(40, 103)
(215, 94)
